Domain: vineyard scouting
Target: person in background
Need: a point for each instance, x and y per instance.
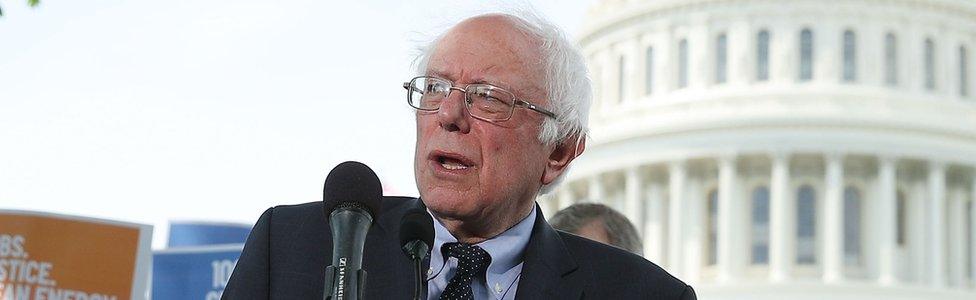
(600, 223)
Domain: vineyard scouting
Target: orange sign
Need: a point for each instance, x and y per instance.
(49, 256)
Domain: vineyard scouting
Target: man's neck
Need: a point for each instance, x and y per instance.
(477, 231)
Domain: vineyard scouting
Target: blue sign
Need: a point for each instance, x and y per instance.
(193, 273)
(184, 234)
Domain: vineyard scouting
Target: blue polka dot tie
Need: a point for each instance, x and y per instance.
(472, 263)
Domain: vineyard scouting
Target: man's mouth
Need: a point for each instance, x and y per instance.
(451, 161)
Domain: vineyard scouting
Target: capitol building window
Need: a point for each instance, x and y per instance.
(852, 226)
(621, 79)
(891, 60)
(760, 226)
(929, 64)
(762, 56)
(963, 72)
(649, 71)
(850, 56)
(806, 55)
(721, 58)
(683, 63)
(806, 228)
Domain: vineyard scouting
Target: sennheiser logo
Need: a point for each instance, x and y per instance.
(342, 279)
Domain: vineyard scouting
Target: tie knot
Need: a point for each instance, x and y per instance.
(472, 260)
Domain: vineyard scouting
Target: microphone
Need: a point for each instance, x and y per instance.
(416, 233)
(352, 197)
(416, 239)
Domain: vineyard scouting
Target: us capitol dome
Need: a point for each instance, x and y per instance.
(788, 149)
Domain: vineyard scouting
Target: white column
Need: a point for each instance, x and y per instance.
(565, 198)
(726, 228)
(633, 206)
(607, 85)
(694, 242)
(957, 239)
(665, 49)
(834, 219)
(946, 53)
(619, 80)
(870, 54)
(654, 234)
(741, 53)
(784, 53)
(635, 69)
(700, 45)
(911, 61)
(676, 187)
(827, 56)
(936, 224)
(595, 191)
(596, 73)
(782, 222)
(887, 219)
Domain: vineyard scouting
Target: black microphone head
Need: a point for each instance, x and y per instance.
(416, 225)
(352, 184)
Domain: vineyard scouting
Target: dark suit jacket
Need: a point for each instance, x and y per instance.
(290, 246)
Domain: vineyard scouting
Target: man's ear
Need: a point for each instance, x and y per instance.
(561, 155)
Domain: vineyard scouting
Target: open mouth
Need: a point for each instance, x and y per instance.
(451, 162)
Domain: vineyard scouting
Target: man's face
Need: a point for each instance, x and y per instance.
(472, 170)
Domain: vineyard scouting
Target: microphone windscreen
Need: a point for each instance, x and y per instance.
(417, 224)
(354, 183)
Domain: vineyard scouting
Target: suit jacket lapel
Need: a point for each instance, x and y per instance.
(548, 270)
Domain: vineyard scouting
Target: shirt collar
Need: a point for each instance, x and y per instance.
(506, 249)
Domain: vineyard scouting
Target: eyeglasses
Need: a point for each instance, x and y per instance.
(483, 101)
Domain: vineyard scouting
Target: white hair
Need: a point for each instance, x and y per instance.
(567, 84)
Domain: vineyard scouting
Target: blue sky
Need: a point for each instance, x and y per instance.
(150, 111)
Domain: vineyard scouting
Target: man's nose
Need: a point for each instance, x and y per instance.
(452, 115)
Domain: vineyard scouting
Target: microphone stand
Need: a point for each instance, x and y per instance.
(418, 250)
(420, 280)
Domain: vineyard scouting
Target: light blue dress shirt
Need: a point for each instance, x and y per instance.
(501, 279)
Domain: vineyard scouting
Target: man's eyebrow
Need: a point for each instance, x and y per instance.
(475, 80)
(482, 80)
(498, 83)
(439, 74)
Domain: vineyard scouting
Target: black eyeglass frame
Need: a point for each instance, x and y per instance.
(409, 86)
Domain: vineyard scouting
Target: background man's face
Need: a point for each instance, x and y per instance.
(472, 170)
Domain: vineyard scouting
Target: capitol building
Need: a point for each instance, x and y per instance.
(788, 149)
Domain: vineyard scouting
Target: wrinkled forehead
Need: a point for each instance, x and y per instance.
(490, 49)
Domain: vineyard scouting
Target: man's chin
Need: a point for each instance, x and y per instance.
(448, 208)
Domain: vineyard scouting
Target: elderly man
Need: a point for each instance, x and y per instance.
(501, 108)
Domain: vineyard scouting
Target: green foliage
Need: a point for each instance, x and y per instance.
(31, 3)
